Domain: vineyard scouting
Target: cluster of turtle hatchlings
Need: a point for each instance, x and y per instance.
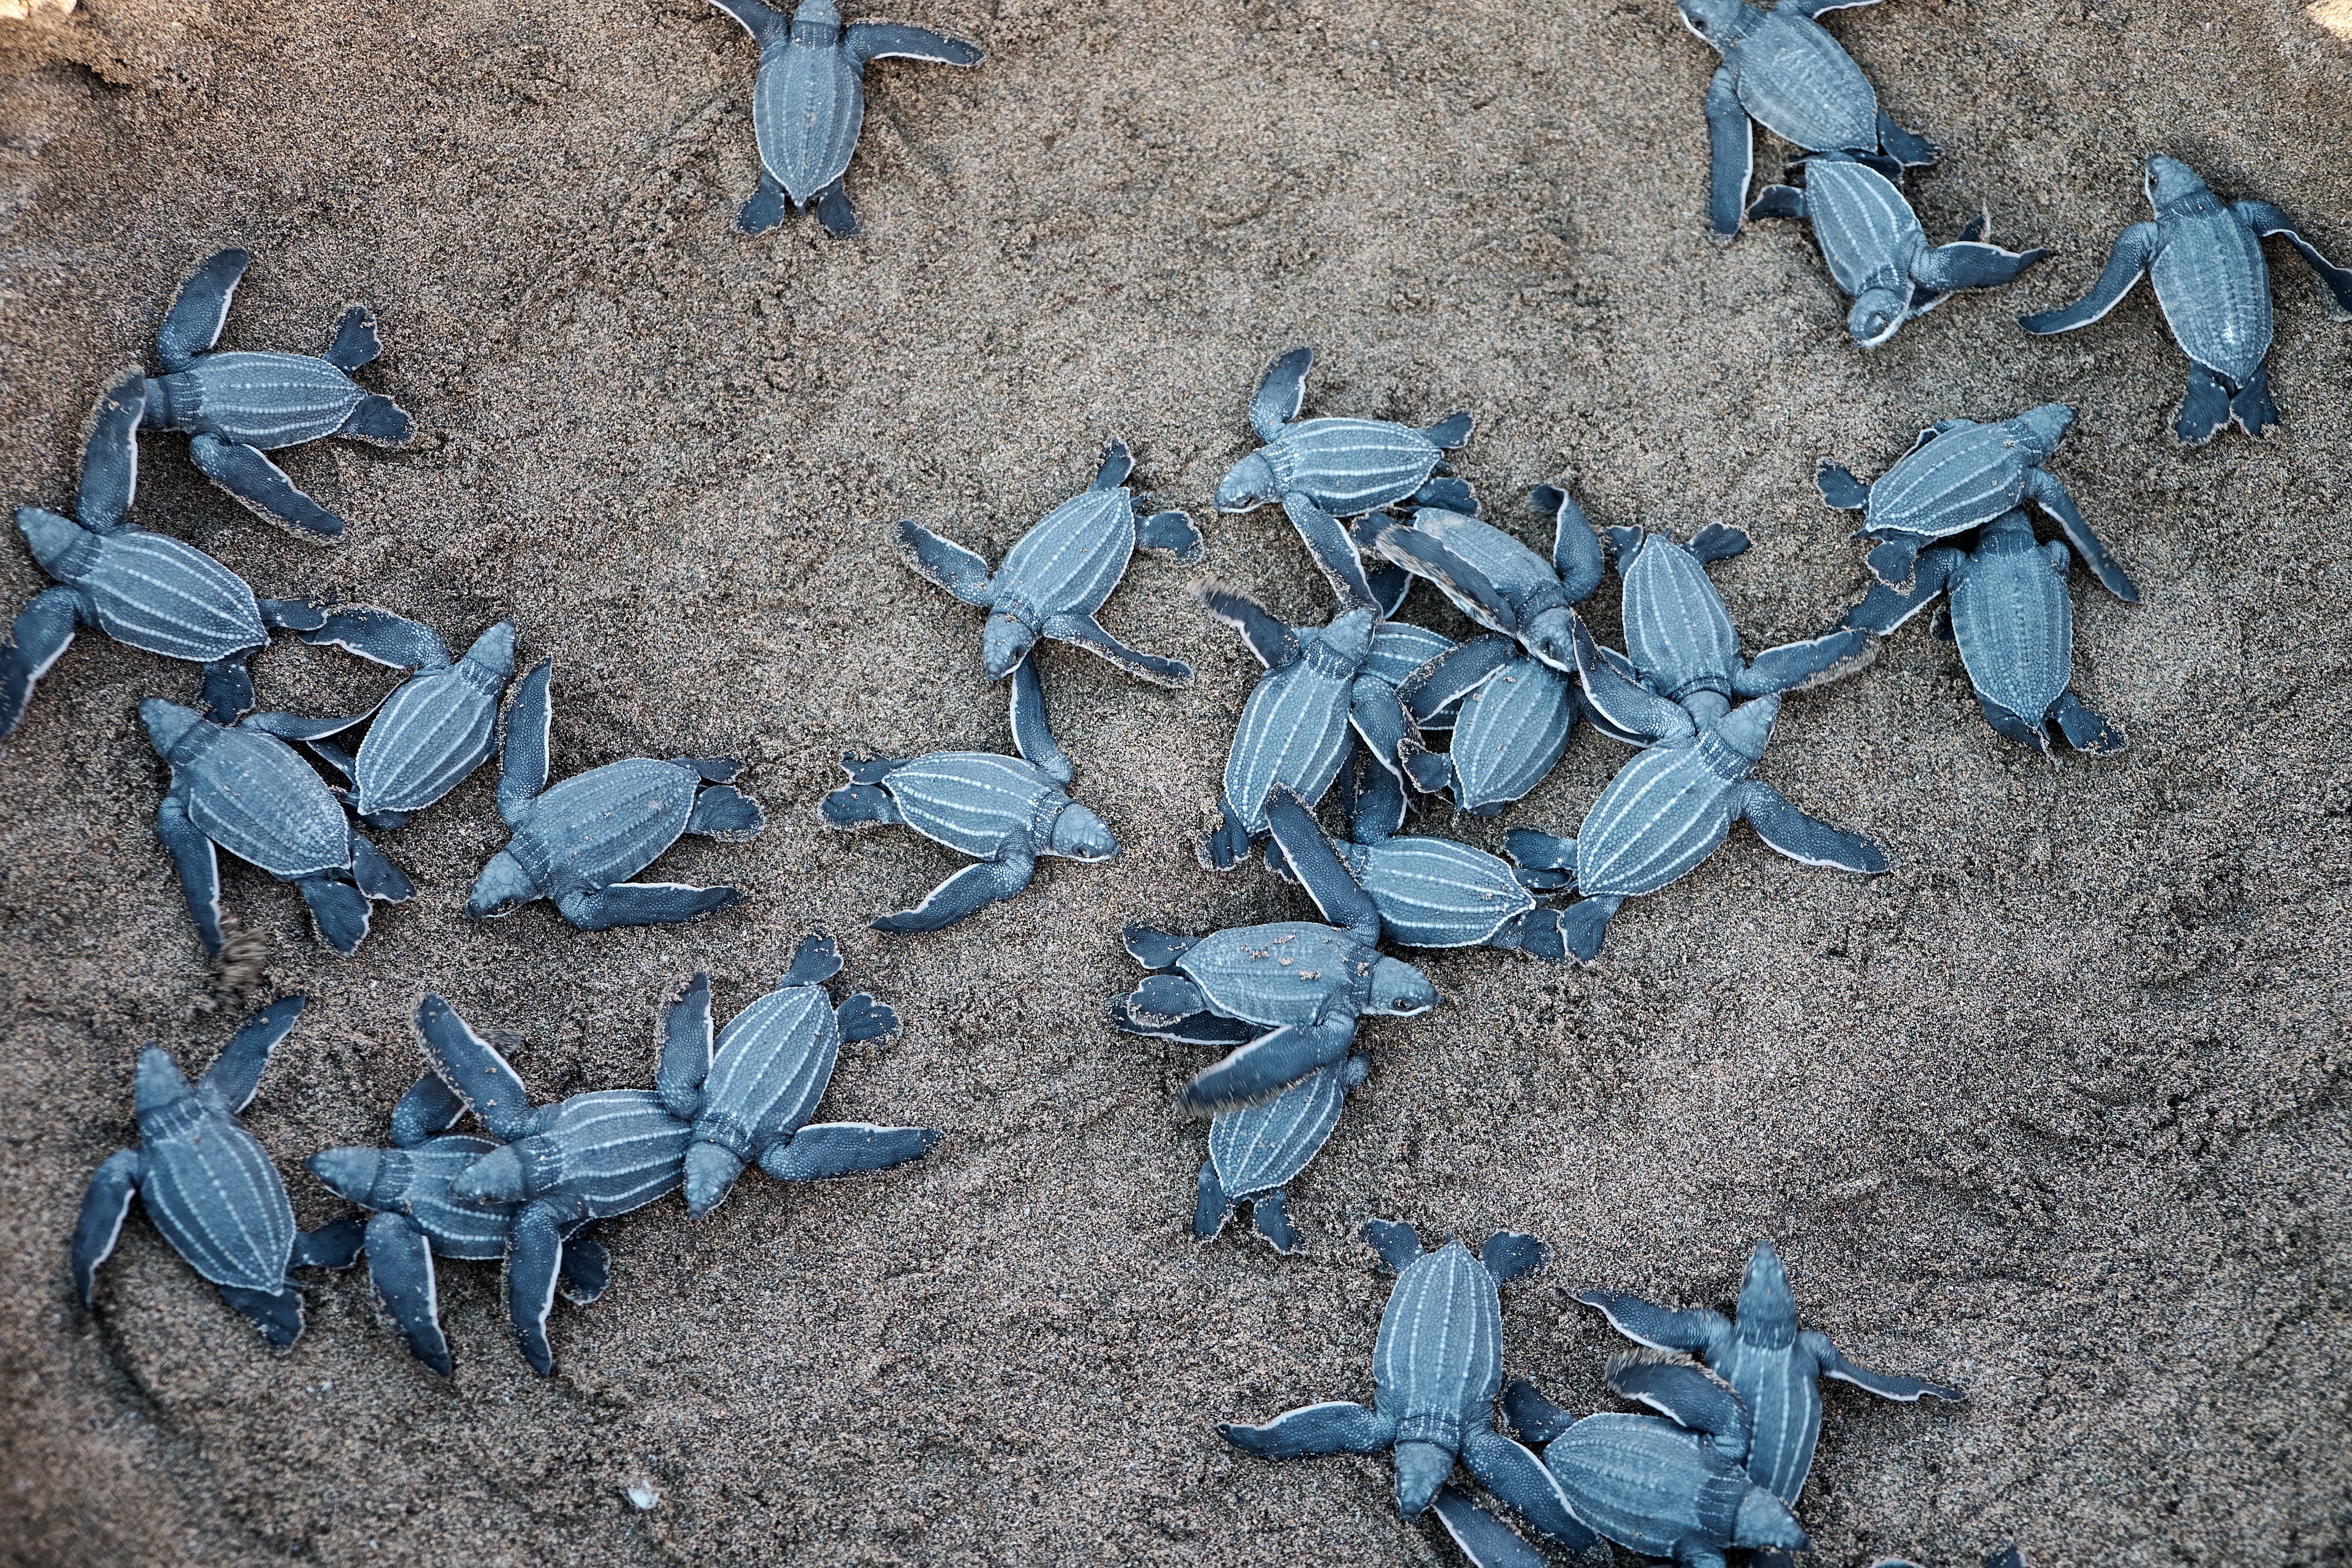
(1350, 707)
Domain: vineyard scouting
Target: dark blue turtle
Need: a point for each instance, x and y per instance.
(1324, 469)
(414, 1218)
(1294, 727)
(2008, 610)
(1773, 1364)
(437, 727)
(1668, 1486)
(236, 406)
(209, 1186)
(808, 102)
(749, 1099)
(1436, 1368)
(1779, 68)
(1257, 1151)
(244, 789)
(1876, 249)
(1512, 719)
(1961, 474)
(1498, 582)
(1285, 997)
(579, 841)
(1006, 811)
(1431, 892)
(2206, 261)
(588, 1157)
(144, 589)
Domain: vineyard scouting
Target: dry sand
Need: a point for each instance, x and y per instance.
(2056, 1110)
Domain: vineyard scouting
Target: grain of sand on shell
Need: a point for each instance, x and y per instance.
(2055, 1111)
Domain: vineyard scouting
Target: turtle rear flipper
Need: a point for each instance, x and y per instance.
(335, 1245)
(863, 1018)
(262, 487)
(586, 1271)
(1451, 431)
(356, 342)
(1966, 264)
(1891, 561)
(522, 766)
(1446, 493)
(341, 910)
(230, 1083)
(860, 806)
(1686, 1394)
(1173, 532)
(829, 1150)
(1228, 845)
(726, 813)
(2251, 407)
(1270, 1217)
(765, 210)
(534, 1257)
(277, 1313)
(400, 1270)
(1777, 200)
(643, 904)
(2086, 730)
(1911, 152)
(1211, 1208)
(228, 689)
(1583, 926)
(1154, 949)
(380, 422)
(378, 877)
(833, 211)
(1840, 490)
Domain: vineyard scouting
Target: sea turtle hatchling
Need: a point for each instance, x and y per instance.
(437, 727)
(146, 590)
(1669, 1486)
(1781, 67)
(1257, 1151)
(237, 405)
(1324, 469)
(243, 789)
(748, 1096)
(808, 102)
(414, 1218)
(1772, 1363)
(578, 841)
(1960, 475)
(2008, 611)
(209, 1186)
(2206, 262)
(1876, 249)
(1498, 582)
(1006, 811)
(1436, 1367)
(1285, 997)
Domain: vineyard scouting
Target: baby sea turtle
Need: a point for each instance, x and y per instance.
(1498, 582)
(243, 789)
(1294, 729)
(1324, 469)
(1876, 249)
(749, 1099)
(1772, 1363)
(1670, 1487)
(588, 1157)
(209, 1185)
(236, 406)
(1057, 578)
(1781, 67)
(414, 1218)
(1284, 995)
(1961, 474)
(808, 102)
(579, 841)
(1431, 892)
(1436, 1367)
(2206, 261)
(144, 589)
(437, 727)
(2010, 613)
(1007, 812)
(1256, 1151)
(1512, 719)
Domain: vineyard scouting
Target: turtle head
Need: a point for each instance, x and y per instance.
(372, 1178)
(1421, 1469)
(1719, 23)
(2172, 184)
(1768, 1308)
(1399, 991)
(159, 1081)
(1004, 642)
(168, 723)
(501, 889)
(821, 18)
(1748, 729)
(1550, 635)
(494, 651)
(2048, 425)
(1349, 638)
(62, 546)
(1248, 483)
(1080, 835)
(1877, 312)
(1764, 1520)
(711, 1172)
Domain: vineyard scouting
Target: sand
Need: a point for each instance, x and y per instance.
(2056, 1110)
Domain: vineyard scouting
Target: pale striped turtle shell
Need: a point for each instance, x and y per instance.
(1294, 727)
(260, 400)
(613, 1151)
(1438, 1362)
(1667, 809)
(604, 825)
(973, 801)
(207, 1184)
(1434, 892)
(437, 727)
(1283, 973)
(1261, 1148)
(151, 592)
(1648, 1484)
(2213, 285)
(1795, 80)
(1677, 632)
(771, 1066)
(2014, 621)
(1867, 232)
(808, 104)
(253, 795)
(1963, 475)
(1350, 467)
(1509, 735)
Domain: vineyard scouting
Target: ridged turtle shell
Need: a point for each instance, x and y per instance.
(434, 730)
(1350, 466)
(972, 801)
(1293, 727)
(1777, 1383)
(1434, 892)
(261, 400)
(1283, 973)
(604, 826)
(1805, 89)
(1646, 1483)
(1667, 809)
(1867, 232)
(211, 1189)
(1073, 558)
(808, 104)
(1958, 480)
(2015, 624)
(773, 1063)
(1509, 733)
(1261, 1148)
(2215, 289)
(1438, 1362)
(170, 598)
(618, 1148)
(1677, 632)
(252, 795)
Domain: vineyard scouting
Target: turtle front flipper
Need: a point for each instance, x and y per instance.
(522, 763)
(765, 210)
(1731, 153)
(869, 41)
(1886, 1385)
(1033, 736)
(197, 862)
(643, 904)
(946, 564)
(1331, 548)
(2042, 488)
(400, 1270)
(1275, 644)
(1484, 1540)
(1885, 608)
(1660, 1328)
(1798, 666)
(829, 1150)
(2134, 248)
(277, 1313)
(1470, 589)
(1686, 1394)
(2267, 220)
(1268, 1066)
(1336, 892)
(42, 634)
(685, 1060)
(1086, 632)
(1521, 1482)
(1281, 393)
(1335, 1426)
(356, 342)
(1625, 707)
(534, 1258)
(381, 638)
(229, 1084)
(200, 310)
(967, 892)
(1808, 840)
(262, 487)
(110, 458)
(428, 1108)
(1969, 264)
(1453, 675)
(472, 1067)
(104, 1206)
(860, 806)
